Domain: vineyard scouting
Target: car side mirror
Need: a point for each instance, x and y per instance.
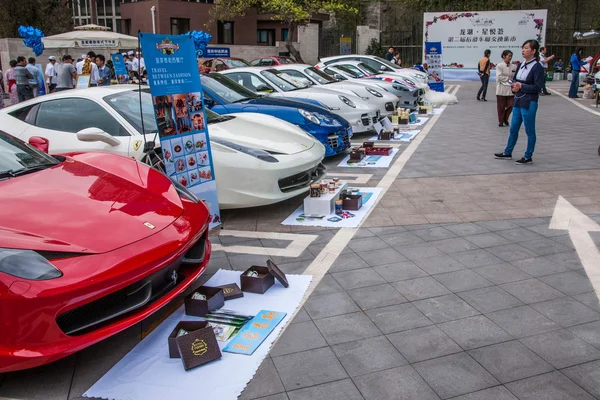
(383, 68)
(263, 88)
(40, 143)
(97, 135)
(209, 102)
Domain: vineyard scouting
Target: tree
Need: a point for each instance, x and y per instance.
(293, 13)
(51, 16)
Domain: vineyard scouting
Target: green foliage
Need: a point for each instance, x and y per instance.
(51, 16)
(375, 49)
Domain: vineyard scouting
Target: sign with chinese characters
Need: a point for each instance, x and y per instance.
(214, 52)
(434, 61)
(179, 110)
(254, 332)
(104, 43)
(466, 35)
(345, 45)
(120, 68)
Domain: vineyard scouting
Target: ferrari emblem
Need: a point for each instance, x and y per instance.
(137, 144)
(174, 277)
(149, 225)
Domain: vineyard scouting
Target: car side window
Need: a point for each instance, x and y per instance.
(268, 62)
(74, 114)
(256, 63)
(371, 63)
(249, 81)
(26, 114)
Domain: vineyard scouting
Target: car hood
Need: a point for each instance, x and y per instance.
(90, 203)
(330, 97)
(260, 131)
(281, 102)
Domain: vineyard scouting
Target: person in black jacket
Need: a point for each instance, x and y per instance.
(390, 54)
(527, 84)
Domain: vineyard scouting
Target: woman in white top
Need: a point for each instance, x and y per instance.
(505, 73)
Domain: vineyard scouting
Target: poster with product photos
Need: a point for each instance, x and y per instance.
(180, 116)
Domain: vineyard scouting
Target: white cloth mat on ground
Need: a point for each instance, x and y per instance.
(406, 136)
(382, 161)
(147, 372)
(344, 223)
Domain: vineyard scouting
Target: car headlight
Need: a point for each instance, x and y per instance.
(185, 192)
(258, 153)
(27, 264)
(347, 101)
(309, 116)
(374, 92)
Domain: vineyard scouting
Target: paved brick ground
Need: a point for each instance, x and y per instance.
(455, 287)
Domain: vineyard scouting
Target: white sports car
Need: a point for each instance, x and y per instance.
(379, 64)
(258, 159)
(360, 114)
(310, 76)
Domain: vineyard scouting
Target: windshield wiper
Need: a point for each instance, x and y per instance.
(221, 118)
(11, 173)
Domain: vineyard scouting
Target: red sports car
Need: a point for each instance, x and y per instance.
(221, 64)
(90, 244)
(272, 60)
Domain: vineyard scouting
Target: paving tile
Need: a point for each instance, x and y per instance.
(402, 383)
(265, 382)
(298, 337)
(489, 239)
(400, 271)
(445, 308)
(544, 230)
(454, 245)
(381, 257)
(544, 246)
(467, 229)
(418, 251)
(420, 288)
(569, 283)
(522, 321)
(423, 343)
(561, 348)
(476, 258)
(495, 226)
(539, 266)
(587, 376)
(309, 368)
(279, 396)
(589, 299)
(474, 332)
(358, 278)
(518, 235)
(569, 260)
(566, 311)
(376, 296)
(531, 291)
(511, 252)
(348, 262)
(301, 316)
(502, 273)
(347, 328)
(455, 375)
(398, 318)
(439, 264)
(551, 386)
(495, 393)
(460, 281)
(327, 285)
(526, 222)
(339, 390)
(489, 299)
(386, 231)
(364, 244)
(402, 239)
(315, 249)
(329, 305)
(589, 332)
(437, 233)
(510, 361)
(368, 355)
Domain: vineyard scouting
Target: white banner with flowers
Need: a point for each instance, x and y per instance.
(466, 35)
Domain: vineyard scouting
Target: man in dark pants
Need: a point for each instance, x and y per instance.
(483, 68)
(22, 76)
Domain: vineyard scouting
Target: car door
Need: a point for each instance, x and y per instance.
(59, 120)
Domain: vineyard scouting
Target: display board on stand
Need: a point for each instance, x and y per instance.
(120, 68)
(464, 36)
(179, 110)
(434, 60)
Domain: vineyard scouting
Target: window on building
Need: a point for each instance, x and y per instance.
(101, 22)
(109, 6)
(225, 32)
(109, 24)
(125, 26)
(179, 26)
(100, 7)
(265, 37)
(284, 34)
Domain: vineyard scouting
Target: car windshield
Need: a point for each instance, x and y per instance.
(127, 104)
(226, 89)
(214, 118)
(387, 63)
(351, 70)
(368, 69)
(281, 80)
(17, 157)
(234, 63)
(319, 76)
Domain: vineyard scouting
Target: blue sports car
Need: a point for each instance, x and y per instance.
(224, 96)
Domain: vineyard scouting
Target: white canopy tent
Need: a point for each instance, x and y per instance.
(90, 37)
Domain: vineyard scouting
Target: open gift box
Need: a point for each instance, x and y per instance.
(356, 155)
(215, 299)
(197, 347)
(265, 279)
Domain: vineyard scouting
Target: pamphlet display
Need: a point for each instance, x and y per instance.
(435, 62)
(120, 68)
(179, 110)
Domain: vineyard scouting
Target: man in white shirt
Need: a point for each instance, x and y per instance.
(51, 74)
(95, 74)
(141, 61)
(544, 60)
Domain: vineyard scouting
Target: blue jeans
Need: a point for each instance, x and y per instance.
(522, 115)
(574, 84)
